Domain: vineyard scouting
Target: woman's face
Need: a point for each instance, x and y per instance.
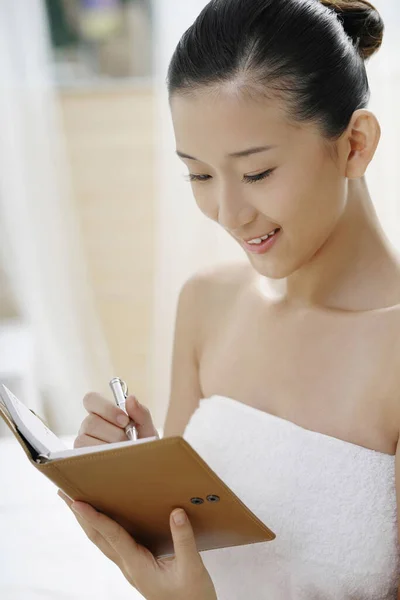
(250, 190)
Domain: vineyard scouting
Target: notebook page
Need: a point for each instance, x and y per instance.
(98, 448)
(5, 409)
(40, 437)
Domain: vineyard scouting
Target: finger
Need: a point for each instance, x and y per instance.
(141, 416)
(64, 497)
(101, 429)
(118, 539)
(183, 539)
(98, 540)
(92, 534)
(87, 440)
(98, 405)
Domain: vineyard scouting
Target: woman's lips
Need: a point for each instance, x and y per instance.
(264, 246)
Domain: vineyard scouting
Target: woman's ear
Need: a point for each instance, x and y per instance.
(360, 142)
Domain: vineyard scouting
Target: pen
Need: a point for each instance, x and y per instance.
(120, 392)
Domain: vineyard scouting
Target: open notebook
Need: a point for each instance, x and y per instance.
(138, 483)
(47, 445)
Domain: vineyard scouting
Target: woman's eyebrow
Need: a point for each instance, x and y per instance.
(240, 153)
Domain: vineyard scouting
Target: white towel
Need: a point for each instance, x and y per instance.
(331, 503)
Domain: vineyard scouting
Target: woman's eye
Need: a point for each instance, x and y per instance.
(194, 177)
(246, 178)
(258, 177)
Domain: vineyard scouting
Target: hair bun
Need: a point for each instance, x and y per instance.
(362, 22)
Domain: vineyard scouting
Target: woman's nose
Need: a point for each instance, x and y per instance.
(233, 211)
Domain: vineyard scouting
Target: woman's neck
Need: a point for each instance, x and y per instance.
(357, 267)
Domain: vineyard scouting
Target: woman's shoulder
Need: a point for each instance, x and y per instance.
(214, 284)
(225, 274)
(212, 293)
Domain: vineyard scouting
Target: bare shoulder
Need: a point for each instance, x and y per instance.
(201, 299)
(226, 273)
(218, 286)
(207, 289)
(221, 278)
(205, 294)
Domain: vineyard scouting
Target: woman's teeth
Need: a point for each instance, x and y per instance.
(263, 238)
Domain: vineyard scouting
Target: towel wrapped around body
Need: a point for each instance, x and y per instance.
(331, 503)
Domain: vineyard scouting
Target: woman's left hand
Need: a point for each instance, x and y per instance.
(179, 577)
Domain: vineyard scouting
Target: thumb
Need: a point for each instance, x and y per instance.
(185, 548)
(141, 416)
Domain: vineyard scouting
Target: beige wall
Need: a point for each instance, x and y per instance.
(109, 136)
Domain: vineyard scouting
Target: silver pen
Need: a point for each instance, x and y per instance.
(120, 392)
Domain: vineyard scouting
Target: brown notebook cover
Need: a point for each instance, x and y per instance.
(139, 485)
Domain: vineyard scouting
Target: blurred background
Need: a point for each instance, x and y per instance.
(98, 228)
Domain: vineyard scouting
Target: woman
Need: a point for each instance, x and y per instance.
(285, 371)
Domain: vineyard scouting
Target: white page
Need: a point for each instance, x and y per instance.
(98, 448)
(3, 404)
(40, 437)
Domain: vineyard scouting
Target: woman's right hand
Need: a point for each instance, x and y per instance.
(101, 426)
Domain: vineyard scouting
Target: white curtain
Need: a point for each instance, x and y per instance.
(185, 239)
(384, 76)
(41, 247)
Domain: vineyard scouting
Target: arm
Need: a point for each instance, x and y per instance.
(185, 384)
(182, 576)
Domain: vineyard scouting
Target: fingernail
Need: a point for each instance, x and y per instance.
(123, 420)
(179, 517)
(74, 508)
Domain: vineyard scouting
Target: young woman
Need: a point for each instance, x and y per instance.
(286, 371)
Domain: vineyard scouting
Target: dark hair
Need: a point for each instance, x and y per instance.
(312, 52)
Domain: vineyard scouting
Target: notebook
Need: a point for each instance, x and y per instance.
(138, 483)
